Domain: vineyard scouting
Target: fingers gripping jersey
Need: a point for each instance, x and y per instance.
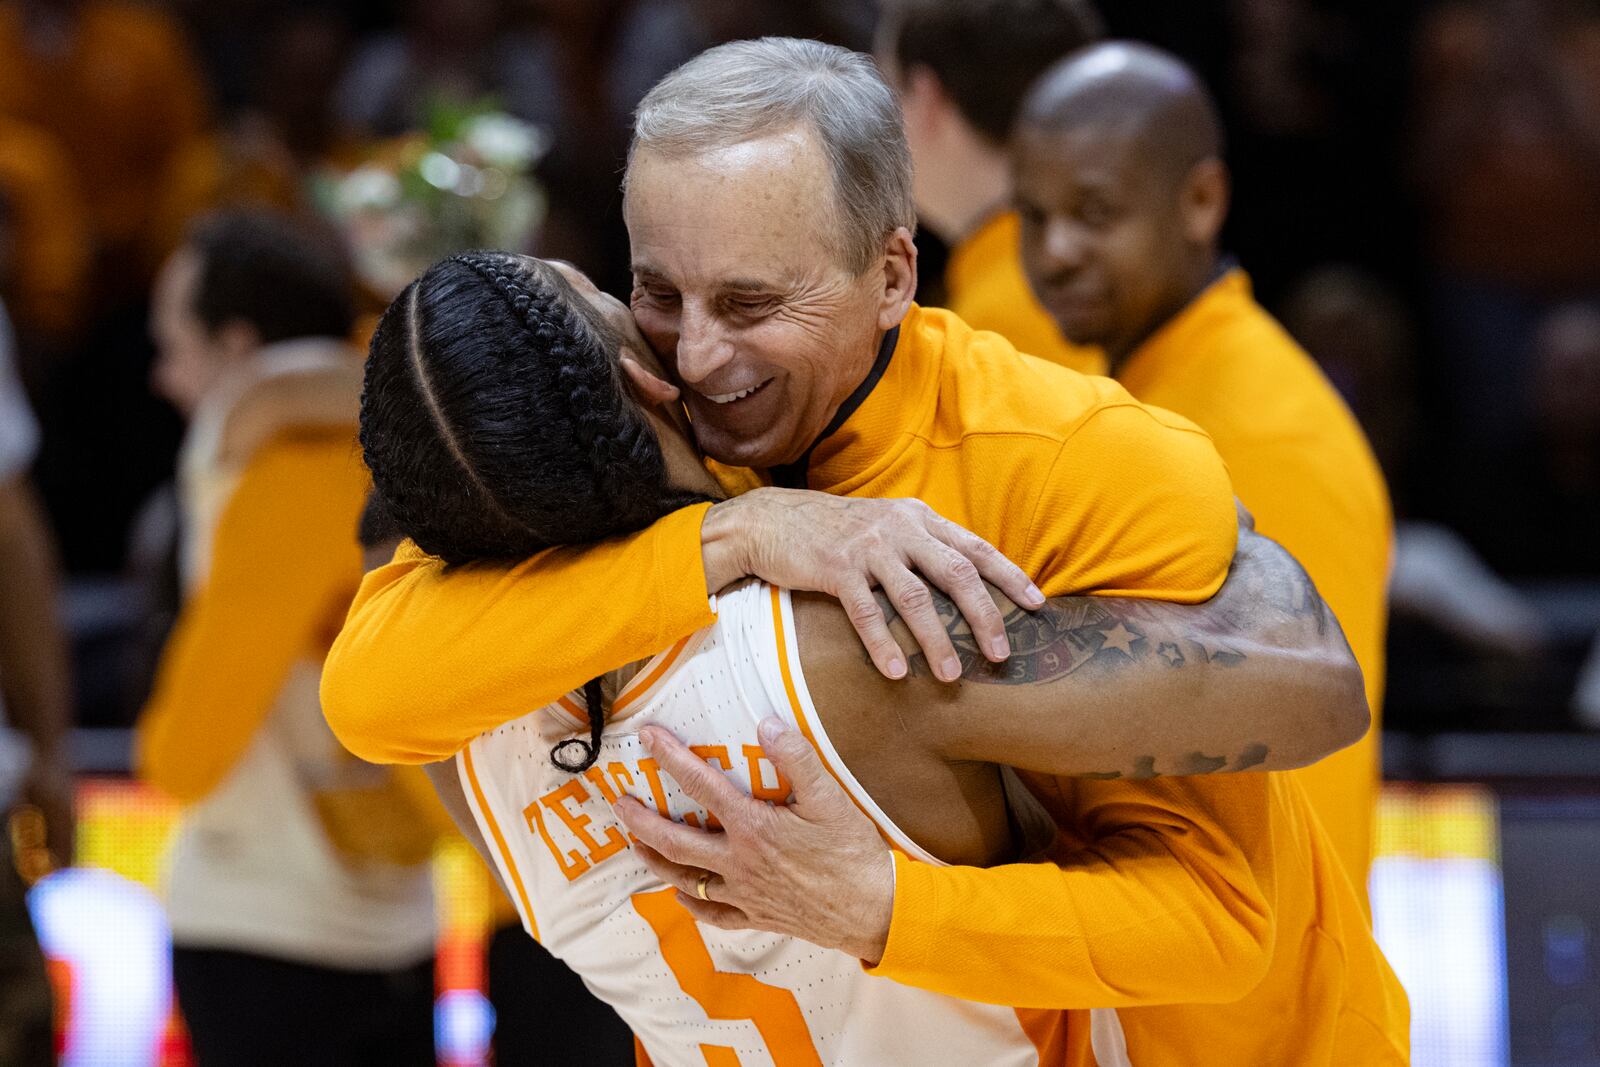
(694, 995)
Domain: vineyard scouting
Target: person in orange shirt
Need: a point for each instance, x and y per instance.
(768, 202)
(1123, 192)
(47, 243)
(475, 432)
(298, 888)
(961, 68)
(116, 83)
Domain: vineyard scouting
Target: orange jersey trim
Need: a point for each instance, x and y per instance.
(800, 714)
(499, 841)
(635, 690)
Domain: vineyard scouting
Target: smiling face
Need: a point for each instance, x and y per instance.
(1114, 242)
(740, 285)
(685, 465)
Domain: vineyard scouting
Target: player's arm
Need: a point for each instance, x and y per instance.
(447, 784)
(430, 657)
(1259, 677)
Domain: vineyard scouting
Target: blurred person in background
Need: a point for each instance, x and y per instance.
(35, 713)
(459, 50)
(298, 887)
(277, 138)
(117, 84)
(1362, 336)
(1539, 501)
(45, 246)
(1122, 192)
(1506, 157)
(961, 68)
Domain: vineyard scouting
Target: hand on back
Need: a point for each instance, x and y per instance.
(847, 546)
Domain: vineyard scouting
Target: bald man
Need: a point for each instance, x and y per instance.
(1122, 193)
(961, 68)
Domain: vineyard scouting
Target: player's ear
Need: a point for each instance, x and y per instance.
(1204, 202)
(651, 388)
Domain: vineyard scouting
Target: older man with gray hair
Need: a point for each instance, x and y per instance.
(769, 210)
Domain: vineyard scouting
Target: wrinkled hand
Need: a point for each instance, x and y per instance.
(815, 869)
(846, 546)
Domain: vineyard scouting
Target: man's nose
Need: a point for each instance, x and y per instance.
(703, 345)
(1066, 246)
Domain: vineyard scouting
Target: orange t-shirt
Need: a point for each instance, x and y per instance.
(1301, 464)
(987, 289)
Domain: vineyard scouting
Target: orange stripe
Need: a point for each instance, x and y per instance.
(800, 715)
(634, 692)
(570, 706)
(499, 840)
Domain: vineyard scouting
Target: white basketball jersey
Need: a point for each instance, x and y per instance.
(694, 995)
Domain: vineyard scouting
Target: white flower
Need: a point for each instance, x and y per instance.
(368, 188)
(502, 141)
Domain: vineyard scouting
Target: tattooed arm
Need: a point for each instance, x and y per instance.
(1257, 678)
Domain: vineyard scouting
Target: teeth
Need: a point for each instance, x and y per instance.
(728, 398)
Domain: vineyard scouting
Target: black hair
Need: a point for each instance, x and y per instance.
(282, 276)
(496, 423)
(376, 527)
(988, 53)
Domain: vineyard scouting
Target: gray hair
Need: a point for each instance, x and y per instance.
(747, 89)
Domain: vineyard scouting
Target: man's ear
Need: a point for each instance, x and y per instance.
(652, 389)
(899, 278)
(1205, 201)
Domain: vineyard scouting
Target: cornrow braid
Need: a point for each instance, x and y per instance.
(496, 423)
(591, 391)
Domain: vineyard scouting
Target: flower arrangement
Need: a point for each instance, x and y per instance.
(463, 181)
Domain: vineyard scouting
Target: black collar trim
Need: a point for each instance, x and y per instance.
(793, 475)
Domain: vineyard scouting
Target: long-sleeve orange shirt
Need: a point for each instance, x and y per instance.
(284, 563)
(1301, 464)
(986, 288)
(1183, 891)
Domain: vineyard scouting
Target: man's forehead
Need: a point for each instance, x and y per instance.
(751, 216)
(1088, 153)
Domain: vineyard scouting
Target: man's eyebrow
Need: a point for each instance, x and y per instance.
(748, 285)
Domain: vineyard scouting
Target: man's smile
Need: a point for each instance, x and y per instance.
(729, 398)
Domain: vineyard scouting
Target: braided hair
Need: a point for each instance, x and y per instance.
(496, 423)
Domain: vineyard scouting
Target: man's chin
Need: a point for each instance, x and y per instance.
(731, 450)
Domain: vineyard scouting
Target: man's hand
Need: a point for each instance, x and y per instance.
(846, 546)
(815, 869)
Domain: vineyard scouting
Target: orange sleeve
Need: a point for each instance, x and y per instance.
(1137, 504)
(284, 560)
(1171, 901)
(429, 660)
(1162, 904)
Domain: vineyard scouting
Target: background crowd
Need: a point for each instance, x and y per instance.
(1417, 198)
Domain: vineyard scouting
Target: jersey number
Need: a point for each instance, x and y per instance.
(775, 1012)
